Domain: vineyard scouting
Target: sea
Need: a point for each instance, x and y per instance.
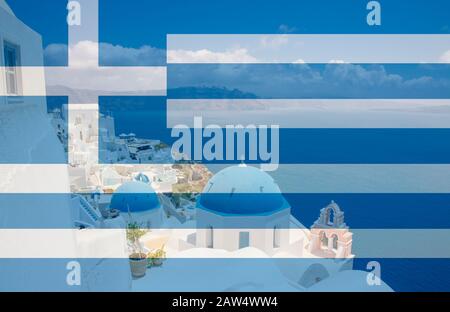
(363, 210)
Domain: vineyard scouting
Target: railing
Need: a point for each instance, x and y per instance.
(89, 210)
(170, 208)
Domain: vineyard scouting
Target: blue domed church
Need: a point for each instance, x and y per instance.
(242, 206)
(138, 202)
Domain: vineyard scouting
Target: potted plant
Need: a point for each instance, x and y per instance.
(138, 259)
(156, 257)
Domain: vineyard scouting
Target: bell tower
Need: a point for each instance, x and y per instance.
(330, 235)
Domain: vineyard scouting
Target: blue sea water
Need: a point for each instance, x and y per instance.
(316, 146)
(385, 211)
(412, 275)
(45, 274)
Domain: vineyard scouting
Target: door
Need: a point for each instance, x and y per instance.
(244, 239)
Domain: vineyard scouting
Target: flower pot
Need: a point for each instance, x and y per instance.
(157, 261)
(138, 265)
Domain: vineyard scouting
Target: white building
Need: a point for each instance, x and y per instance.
(242, 213)
(20, 116)
(19, 45)
(110, 178)
(242, 206)
(28, 141)
(83, 133)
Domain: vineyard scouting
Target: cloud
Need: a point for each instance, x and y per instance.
(56, 55)
(373, 76)
(337, 62)
(84, 72)
(84, 54)
(445, 58)
(274, 41)
(207, 56)
(109, 80)
(336, 79)
(144, 56)
(286, 29)
(309, 81)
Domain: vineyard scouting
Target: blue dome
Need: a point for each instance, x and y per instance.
(135, 196)
(142, 178)
(242, 190)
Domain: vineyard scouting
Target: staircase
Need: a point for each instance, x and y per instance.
(89, 211)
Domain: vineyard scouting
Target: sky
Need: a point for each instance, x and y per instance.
(150, 21)
(134, 23)
(143, 25)
(47, 17)
(133, 33)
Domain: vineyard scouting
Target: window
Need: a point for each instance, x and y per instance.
(244, 239)
(335, 241)
(210, 237)
(276, 237)
(12, 58)
(330, 216)
(324, 239)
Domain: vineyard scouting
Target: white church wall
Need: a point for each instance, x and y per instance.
(226, 230)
